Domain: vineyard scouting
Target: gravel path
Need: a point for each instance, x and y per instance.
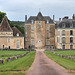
(42, 65)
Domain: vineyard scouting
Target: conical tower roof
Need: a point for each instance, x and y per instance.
(5, 25)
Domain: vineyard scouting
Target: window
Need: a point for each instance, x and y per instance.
(63, 39)
(32, 28)
(71, 32)
(47, 36)
(71, 39)
(47, 28)
(32, 21)
(63, 25)
(47, 21)
(8, 40)
(32, 42)
(17, 34)
(17, 44)
(63, 32)
(32, 35)
(71, 46)
(47, 42)
(71, 25)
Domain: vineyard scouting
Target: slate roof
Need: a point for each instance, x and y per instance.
(69, 23)
(5, 25)
(15, 31)
(39, 17)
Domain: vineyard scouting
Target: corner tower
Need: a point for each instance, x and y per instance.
(40, 32)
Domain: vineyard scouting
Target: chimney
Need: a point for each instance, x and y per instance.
(73, 17)
(59, 19)
(53, 17)
(25, 18)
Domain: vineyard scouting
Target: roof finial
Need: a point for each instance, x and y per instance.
(39, 9)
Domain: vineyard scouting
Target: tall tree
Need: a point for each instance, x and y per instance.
(2, 14)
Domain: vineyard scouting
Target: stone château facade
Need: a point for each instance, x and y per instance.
(39, 32)
(10, 38)
(65, 33)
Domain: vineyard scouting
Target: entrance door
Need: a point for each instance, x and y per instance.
(9, 47)
(3, 46)
(63, 47)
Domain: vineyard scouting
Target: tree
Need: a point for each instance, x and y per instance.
(2, 14)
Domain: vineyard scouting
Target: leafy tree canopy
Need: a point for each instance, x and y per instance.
(21, 28)
(2, 14)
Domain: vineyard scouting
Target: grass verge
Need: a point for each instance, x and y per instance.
(21, 64)
(68, 53)
(66, 63)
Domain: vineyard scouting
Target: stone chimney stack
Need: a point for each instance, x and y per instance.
(25, 30)
(73, 17)
(59, 19)
(25, 18)
(53, 17)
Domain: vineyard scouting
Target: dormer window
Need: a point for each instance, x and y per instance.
(32, 21)
(47, 21)
(17, 34)
(71, 25)
(63, 25)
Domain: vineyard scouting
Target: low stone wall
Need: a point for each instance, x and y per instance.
(64, 56)
(1, 61)
(13, 58)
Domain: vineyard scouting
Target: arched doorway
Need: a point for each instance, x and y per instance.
(3, 46)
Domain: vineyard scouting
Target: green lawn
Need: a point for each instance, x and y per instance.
(68, 53)
(12, 73)
(66, 63)
(5, 54)
(21, 64)
(11, 52)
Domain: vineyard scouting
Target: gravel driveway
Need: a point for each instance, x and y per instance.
(42, 65)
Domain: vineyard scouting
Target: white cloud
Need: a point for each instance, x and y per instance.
(19, 8)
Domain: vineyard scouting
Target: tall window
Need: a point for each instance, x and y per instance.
(47, 21)
(71, 39)
(47, 28)
(18, 44)
(8, 40)
(32, 42)
(32, 21)
(32, 35)
(71, 25)
(32, 28)
(47, 35)
(63, 32)
(47, 42)
(71, 32)
(63, 39)
(71, 46)
(63, 25)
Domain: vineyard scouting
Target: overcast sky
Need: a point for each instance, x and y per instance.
(17, 9)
